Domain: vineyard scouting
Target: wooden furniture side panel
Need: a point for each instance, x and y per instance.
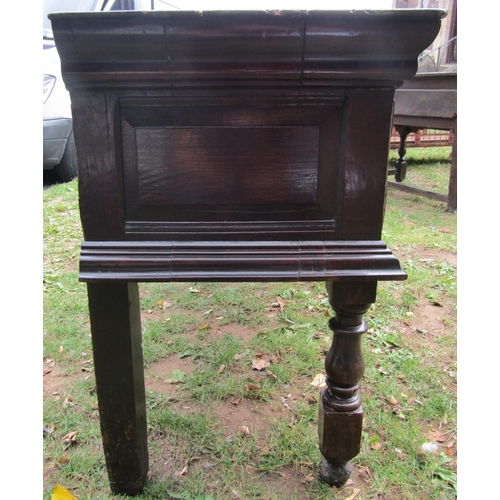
(366, 135)
(95, 125)
(350, 186)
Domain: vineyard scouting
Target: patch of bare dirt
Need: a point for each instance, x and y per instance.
(242, 415)
(244, 333)
(425, 330)
(432, 326)
(56, 381)
(292, 480)
(159, 377)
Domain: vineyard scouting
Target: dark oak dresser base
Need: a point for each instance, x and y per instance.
(233, 146)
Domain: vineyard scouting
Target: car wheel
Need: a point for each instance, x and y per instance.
(67, 169)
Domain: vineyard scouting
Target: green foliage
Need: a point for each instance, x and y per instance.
(428, 168)
(226, 430)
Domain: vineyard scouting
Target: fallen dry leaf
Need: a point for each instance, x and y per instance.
(393, 401)
(245, 430)
(221, 369)
(260, 362)
(271, 374)
(63, 460)
(61, 493)
(49, 428)
(436, 436)
(183, 472)
(68, 401)
(253, 387)
(70, 438)
(319, 381)
(365, 473)
(451, 449)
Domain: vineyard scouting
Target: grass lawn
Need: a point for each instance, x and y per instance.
(220, 429)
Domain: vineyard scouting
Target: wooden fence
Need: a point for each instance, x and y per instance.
(424, 138)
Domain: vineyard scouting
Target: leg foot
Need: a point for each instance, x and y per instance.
(334, 474)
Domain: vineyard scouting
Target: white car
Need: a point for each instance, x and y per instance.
(59, 151)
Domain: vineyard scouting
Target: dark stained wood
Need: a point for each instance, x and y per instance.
(235, 261)
(233, 155)
(98, 153)
(298, 49)
(401, 163)
(119, 373)
(340, 413)
(233, 146)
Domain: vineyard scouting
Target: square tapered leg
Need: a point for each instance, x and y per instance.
(116, 341)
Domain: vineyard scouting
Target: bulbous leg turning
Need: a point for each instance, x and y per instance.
(334, 474)
(340, 417)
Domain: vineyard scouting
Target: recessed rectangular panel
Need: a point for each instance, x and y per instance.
(220, 166)
(208, 167)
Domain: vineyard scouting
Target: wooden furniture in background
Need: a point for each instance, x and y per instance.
(429, 100)
(233, 146)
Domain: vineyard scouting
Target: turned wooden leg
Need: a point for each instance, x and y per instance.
(403, 133)
(340, 413)
(116, 341)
